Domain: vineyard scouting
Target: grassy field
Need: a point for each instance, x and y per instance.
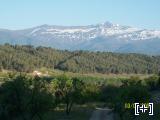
(113, 79)
(107, 79)
(56, 72)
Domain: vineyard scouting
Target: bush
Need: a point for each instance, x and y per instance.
(130, 93)
(152, 82)
(24, 98)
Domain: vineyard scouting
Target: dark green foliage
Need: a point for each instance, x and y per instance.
(131, 94)
(68, 91)
(26, 98)
(29, 58)
(152, 82)
(22, 98)
(109, 94)
(130, 91)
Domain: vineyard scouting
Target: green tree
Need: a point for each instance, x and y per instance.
(68, 91)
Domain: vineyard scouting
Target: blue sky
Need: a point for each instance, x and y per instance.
(19, 14)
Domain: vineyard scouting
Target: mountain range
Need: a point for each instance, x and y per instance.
(100, 37)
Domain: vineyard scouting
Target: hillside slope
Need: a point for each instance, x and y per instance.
(29, 58)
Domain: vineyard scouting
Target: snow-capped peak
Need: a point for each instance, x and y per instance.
(107, 24)
(106, 29)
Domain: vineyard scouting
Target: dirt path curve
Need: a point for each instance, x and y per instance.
(102, 114)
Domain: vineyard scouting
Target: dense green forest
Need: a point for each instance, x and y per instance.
(28, 58)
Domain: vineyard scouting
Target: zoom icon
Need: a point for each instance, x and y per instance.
(143, 108)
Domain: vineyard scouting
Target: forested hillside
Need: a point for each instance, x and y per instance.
(29, 58)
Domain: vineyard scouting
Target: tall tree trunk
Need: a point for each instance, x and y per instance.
(67, 107)
(70, 107)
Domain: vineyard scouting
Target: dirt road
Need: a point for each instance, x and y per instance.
(102, 114)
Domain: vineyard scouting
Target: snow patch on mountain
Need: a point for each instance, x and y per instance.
(90, 32)
(52, 31)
